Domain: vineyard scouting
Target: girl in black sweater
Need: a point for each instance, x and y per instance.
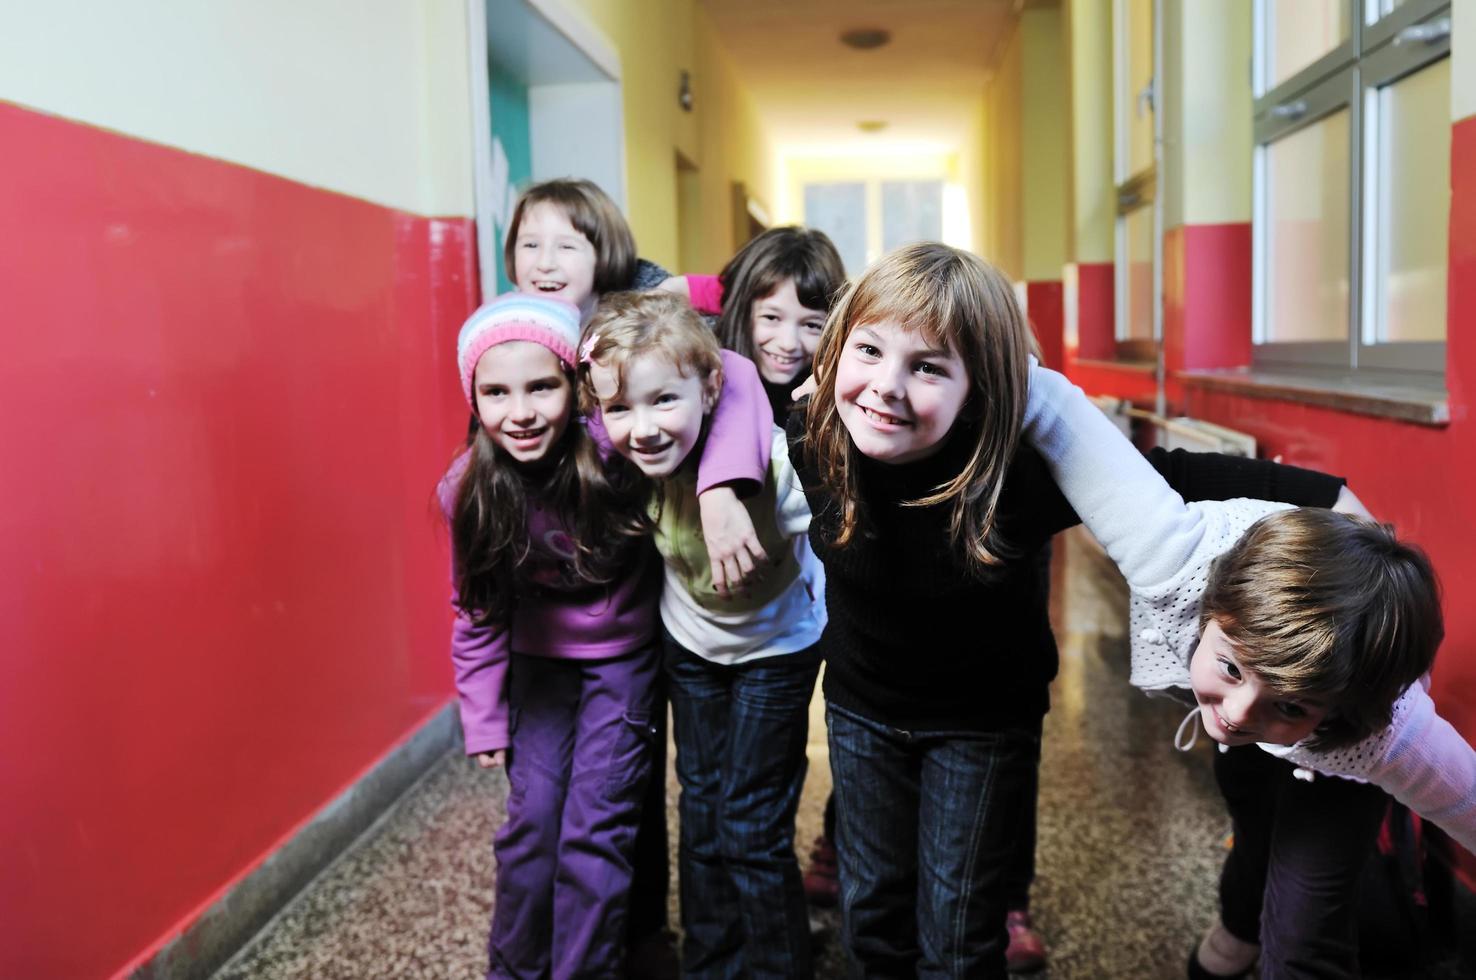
(928, 515)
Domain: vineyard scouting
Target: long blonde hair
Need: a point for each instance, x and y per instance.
(957, 300)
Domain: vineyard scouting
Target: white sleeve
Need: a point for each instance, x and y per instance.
(1145, 526)
(1420, 760)
(791, 507)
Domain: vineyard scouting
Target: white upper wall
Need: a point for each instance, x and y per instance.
(368, 98)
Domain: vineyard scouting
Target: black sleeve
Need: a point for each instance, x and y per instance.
(1214, 476)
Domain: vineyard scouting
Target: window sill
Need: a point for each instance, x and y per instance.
(1406, 403)
(1131, 367)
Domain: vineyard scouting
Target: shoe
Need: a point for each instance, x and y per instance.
(1026, 952)
(1198, 972)
(653, 957)
(822, 881)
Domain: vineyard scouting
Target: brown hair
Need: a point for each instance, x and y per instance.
(803, 254)
(957, 300)
(1327, 605)
(595, 216)
(626, 325)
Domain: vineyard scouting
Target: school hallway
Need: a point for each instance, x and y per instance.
(1131, 836)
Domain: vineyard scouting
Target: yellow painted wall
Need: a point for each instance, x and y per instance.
(1214, 148)
(656, 40)
(370, 100)
(1004, 189)
(1463, 59)
(1044, 143)
(1093, 198)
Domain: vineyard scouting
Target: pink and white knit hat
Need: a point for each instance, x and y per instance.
(554, 323)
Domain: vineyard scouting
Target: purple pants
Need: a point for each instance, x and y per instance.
(581, 733)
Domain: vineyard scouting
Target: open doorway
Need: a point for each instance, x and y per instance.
(546, 103)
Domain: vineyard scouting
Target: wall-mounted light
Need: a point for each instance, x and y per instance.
(684, 92)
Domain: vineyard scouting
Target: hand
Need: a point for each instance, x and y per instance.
(805, 390)
(492, 760)
(1348, 503)
(731, 542)
(676, 284)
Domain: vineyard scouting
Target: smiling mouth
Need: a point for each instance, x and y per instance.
(882, 418)
(788, 360)
(1232, 729)
(650, 450)
(544, 286)
(526, 435)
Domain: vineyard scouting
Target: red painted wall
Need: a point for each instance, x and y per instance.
(1044, 310)
(226, 399)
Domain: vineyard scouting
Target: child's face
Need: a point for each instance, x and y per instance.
(657, 418)
(896, 394)
(785, 334)
(553, 258)
(1237, 708)
(524, 398)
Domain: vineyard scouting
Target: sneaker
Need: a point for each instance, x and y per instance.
(1026, 952)
(822, 881)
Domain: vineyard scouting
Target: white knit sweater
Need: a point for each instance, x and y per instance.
(1164, 548)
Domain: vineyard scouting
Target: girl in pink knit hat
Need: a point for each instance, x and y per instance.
(553, 645)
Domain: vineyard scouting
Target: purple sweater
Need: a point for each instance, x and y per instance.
(560, 616)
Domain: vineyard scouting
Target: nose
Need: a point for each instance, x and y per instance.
(1238, 708)
(546, 256)
(787, 340)
(522, 409)
(643, 427)
(887, 380)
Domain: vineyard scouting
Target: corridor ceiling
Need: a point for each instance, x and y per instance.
(811, 90)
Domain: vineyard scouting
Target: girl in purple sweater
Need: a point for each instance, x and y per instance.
(553, 646)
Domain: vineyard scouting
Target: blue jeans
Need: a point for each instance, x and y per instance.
(740, 736)
(927, 823)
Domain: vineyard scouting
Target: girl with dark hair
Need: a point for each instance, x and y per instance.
(554, 644)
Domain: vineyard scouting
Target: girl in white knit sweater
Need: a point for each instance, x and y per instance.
(1304, 638)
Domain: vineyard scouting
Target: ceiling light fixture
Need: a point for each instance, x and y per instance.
(865, 38)
(872, 125)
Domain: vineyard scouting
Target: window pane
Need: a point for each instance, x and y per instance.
(1138, 280)
(1298, 32)
(1412, 206)
(1140, 76)
(839, 210)
(912, 211)
(1306, 266)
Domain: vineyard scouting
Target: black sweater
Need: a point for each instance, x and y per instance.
(917, 641)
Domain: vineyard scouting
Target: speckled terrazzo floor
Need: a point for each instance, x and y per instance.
(1131, 837)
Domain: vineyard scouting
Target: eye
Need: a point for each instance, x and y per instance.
(817, 327)
(1291, 711)
(867, 350)
(768, 316)
(527, 243)
(540, 386)
(1229, 670)
(492, 391)
(665, 398)
(931, 370)
(613, 408)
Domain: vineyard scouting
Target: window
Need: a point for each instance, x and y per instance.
(866, 219)
(1352, 186)
(1135, 167)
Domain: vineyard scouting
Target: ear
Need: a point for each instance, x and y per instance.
(712, 387)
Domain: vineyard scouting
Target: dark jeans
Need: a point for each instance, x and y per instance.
(1291, 880)
(740, 737)
(927, 822)
(649, 886)
(577, 766)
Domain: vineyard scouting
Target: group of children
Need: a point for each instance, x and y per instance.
(905, 502)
